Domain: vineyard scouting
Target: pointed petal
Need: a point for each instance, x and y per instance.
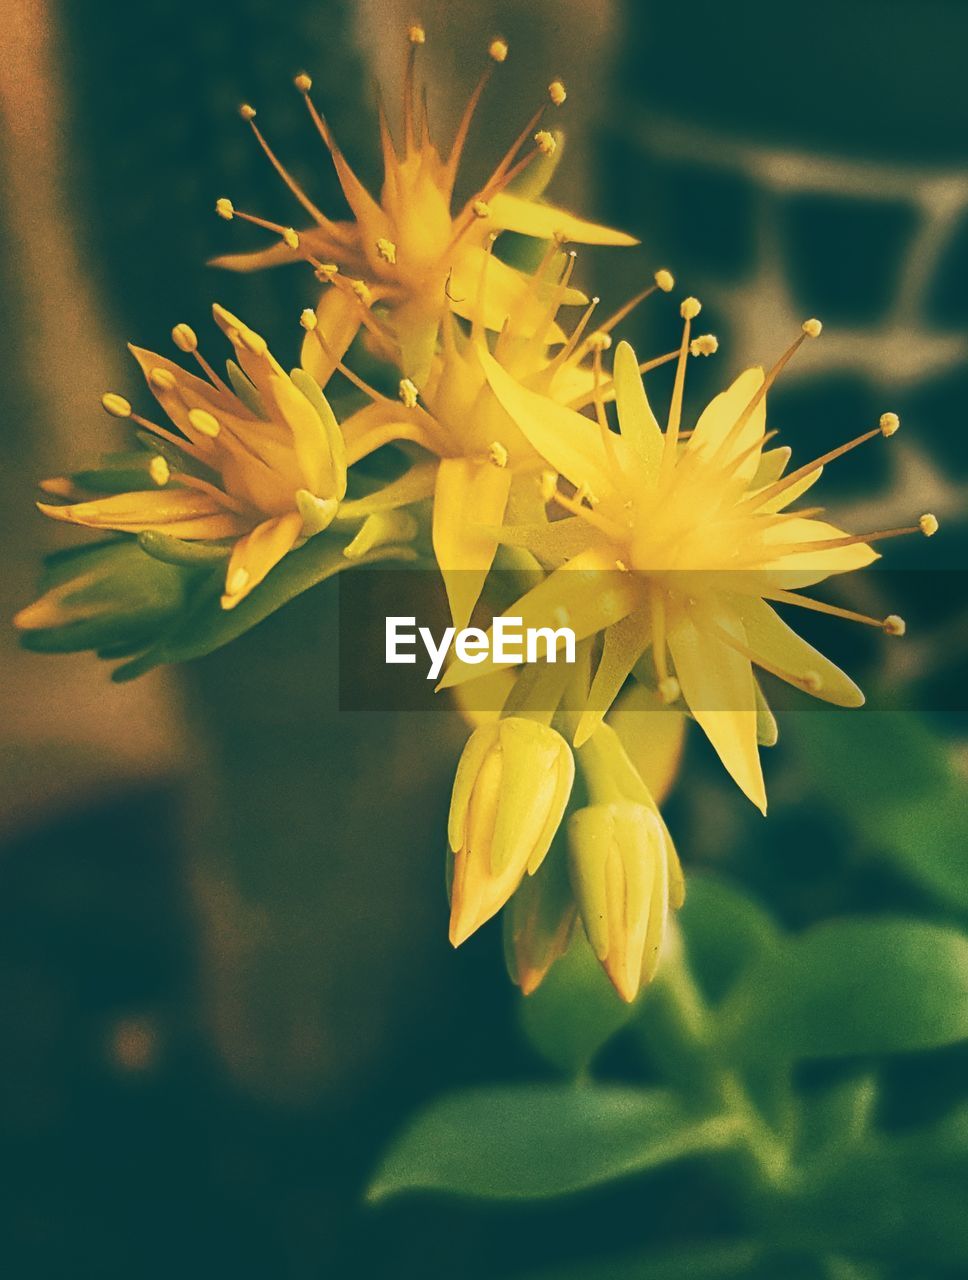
(623, 646)
(184, 513)
(717, 420)
(338, 319)
(635, 416)
(383, 422)
(769, 637)
(552, 541)
(255, 555)
(469, 502)
(717, 684)
(773, 463)
(546, 222)
(797, 490)
(413, 486)
(793, 570)
(315, 239)
(506, 292)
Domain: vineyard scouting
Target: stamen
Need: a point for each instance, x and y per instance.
(314, 212)
(780, 486)
(665, 280)
(889, 423)
(689, 309)
(928, 524)
(894, 625)
(116, 405)
(850, 540)
(557, 92)
(498, 49)
(205, 423)
(408, 393)
(288, 234)
(159, 471)
(545, 142)
(345, 370)
(224, 208)
(497, 453)
(888, 624)
(416, 36)
(185, 339)
(707, 344)
(810, 681)
(387, 250)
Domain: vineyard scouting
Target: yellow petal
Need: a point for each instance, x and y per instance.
(547, 222)
(338, 319)
(717, 420)
(383, 422)
(793, 570)
(623, 646)
(469, 502)
(635, 416)
(505, 292)
(316, 240)
(768, 637)
(796, 490)
(717, 685)
(184, 513)
(255, 555)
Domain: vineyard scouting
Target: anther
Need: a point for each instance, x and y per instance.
(665, 280)
(326, 271)
(498, 49)
(669, 690)
(690, 308)
(387, 250)
(545, 142)
(889, 423)
(408, 393)
(290, 237)
(247, 112)
(307, 319)
(812, 328)
(481, 209)
(225, 209)
(599, 340)
(115, 405)
(184, 338)
(303, 82)
(928, 524)
(362, 291)
(159, 471)
(621, 566)
(204, 423)
(548, 485)
(557, 92)
(497, 453)
(416, 34)
(707, 344)
(162, 379)
(894, 626)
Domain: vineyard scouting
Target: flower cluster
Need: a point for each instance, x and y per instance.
(668, 545)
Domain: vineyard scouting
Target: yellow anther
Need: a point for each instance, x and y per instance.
(690, 308)
(159, 471)
(290, 237)
(669, 690)
(387, 250)
(557, 93)
(707, 344)
(894, 626)
(225, 209)
(307, 319)
(237, 582)
(812, 681)
(326, 271)
(498, 49)
(928, 524)
(303, 82)
(481, 209)
(115, 405)
(408, 393)
(184, 338)
(889, 423)
(204, 423)
(665, 280)
(497, 453)
(545, 142)
(599, 340)
(548, 485)
(362, 291)
(621, 566)
(416, 34)
(812, 328)
(247, 112)
(163, 379)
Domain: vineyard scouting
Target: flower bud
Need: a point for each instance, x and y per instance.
(513, 782)
(539, 922)
(620, 873)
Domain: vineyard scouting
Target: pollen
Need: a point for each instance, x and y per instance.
(497, 453)
(387, 250)
(327, 271)
(362, 291)
(184, 338)
(416, 34)
(498, 49)
(665, 280)
(481, 209)
(889, 423)
(895, 626)
(307, 319)
(669, 690)
(303, 82)
(408, 393)
(247, 112)
(599, 340)
(159, 471)
(545, 142)
(290, 237)
(557, 92)
(163, 379)
(204, 423)
(707, 344)
(116, 405)
(225, 209)
(928, 524)
(690, 308)
(812, 328)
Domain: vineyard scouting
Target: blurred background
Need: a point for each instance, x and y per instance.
(224, 977)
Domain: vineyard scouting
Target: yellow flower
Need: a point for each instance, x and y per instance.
(489, 470)
(687, 546)
(409, 255)
(512, 784)
(263, 465)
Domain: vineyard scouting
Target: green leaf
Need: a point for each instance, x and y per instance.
(530, 1142)
(853, 987)
(725, 932)
(575, 1011)
(726, 1261)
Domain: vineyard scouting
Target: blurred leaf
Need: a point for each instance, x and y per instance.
(724, 933)
(575, 1011)
(853, 987)
(838, 1117)
(727, 1261)
(527, 1142)
(890, 778)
